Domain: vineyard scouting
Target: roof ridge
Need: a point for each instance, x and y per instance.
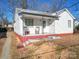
(65, 9)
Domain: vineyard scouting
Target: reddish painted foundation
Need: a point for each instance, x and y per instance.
(25, 38)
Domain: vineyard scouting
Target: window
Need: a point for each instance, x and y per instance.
(49, 21)
(29, 22)
(69, 23)
(44, 24)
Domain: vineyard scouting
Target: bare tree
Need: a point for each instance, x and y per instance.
(55, 5)
(24, 4)
(3, 19)
(12, 4)
(1, 13)
(16, 4)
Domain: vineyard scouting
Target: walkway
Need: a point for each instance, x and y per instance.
(6, 48)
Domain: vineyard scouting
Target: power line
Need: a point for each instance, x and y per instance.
(73, 4)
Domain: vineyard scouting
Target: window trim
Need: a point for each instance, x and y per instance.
(29, 22)
(69, 23)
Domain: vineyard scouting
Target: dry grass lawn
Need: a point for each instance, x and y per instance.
(65, 48)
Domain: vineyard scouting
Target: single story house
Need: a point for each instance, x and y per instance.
(35, 23)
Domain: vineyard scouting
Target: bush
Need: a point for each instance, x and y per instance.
(77, 27)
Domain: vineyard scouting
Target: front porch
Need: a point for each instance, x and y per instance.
(38, 25)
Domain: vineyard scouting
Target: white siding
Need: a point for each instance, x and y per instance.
(53, 27)
(49, 28)
(46, 28)
(36, 23)
(18, 25)
(61, 25)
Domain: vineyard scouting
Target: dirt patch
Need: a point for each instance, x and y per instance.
(13, 49)
(2, 41)
(54, 49)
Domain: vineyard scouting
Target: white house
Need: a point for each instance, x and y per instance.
(30, 22)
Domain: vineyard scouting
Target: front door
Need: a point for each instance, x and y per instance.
(37, 30)
(44, 25)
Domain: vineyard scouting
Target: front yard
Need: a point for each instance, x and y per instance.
(65, 48)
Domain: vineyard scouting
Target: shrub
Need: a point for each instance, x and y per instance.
(77, 27)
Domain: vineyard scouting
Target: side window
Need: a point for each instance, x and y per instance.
(69, 23)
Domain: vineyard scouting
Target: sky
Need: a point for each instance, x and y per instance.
(39, 6)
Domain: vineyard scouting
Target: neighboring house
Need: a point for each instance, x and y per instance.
(33, 23)
(10, 26)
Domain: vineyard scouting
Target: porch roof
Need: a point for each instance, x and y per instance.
(38, 13)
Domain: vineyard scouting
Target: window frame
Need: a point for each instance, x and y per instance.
(69, 23)
(28, 22)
